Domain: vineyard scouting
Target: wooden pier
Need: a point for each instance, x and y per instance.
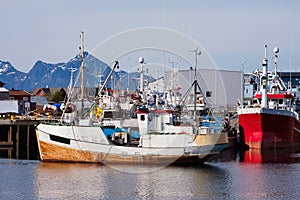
(18, 139)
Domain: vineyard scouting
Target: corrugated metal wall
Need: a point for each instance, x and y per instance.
(225, 86)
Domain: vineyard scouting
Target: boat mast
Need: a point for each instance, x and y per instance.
(108, 77)
(82, 69)
(276, 51)
(242, 83)
(197, 52)
(173, 89)
(141, 61)
(290, 82)
(264, 79)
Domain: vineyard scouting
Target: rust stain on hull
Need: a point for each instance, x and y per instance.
(211, 139)
(50, 152)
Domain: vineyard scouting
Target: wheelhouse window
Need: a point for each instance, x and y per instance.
(108, 114)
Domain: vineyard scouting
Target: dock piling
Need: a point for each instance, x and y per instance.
(18, 138)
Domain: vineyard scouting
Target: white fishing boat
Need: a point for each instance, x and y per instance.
(154, 134)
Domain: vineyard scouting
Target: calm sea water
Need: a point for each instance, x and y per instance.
(250, 175)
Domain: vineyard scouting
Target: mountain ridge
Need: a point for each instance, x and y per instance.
(58, 75)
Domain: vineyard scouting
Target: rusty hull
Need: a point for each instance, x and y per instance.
(55, 153)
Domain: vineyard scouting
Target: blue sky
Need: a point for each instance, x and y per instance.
(231, 31)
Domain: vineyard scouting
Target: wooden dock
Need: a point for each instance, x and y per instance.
(18, 139)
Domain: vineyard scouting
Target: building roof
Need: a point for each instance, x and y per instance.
(36, 90)
(2, 89)
(47, 90)
(18, 93)
(54, 90)
(39, 100)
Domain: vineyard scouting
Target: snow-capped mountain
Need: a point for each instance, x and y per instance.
(10, 76)
(58, 75)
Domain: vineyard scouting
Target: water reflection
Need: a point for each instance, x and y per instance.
(85, 181)
(235, 175)
(256, 156)
(270, 156)
(215, 180)
(69, 181)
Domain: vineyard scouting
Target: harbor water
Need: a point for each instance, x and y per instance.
(234, 175)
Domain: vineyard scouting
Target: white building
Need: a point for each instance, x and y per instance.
(222, 89)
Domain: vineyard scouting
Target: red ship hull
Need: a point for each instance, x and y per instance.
(268, 128)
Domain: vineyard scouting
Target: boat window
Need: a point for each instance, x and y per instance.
(108, 114)
(142, 117)
(60, 139)
(255, 101)
(288, 102)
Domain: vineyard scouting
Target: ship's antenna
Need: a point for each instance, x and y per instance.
(290, 82)
(164, 72)
(129, 65)
(264, 81)
(276, 51)
(291, 52)
(197, 53)
(173, 69)
(141, 61)
(82, 70)
(121, 83)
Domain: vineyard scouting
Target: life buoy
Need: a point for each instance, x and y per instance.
(98, 112)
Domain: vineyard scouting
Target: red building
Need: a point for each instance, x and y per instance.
(41, 92)
(49, 93)
(24, 100)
